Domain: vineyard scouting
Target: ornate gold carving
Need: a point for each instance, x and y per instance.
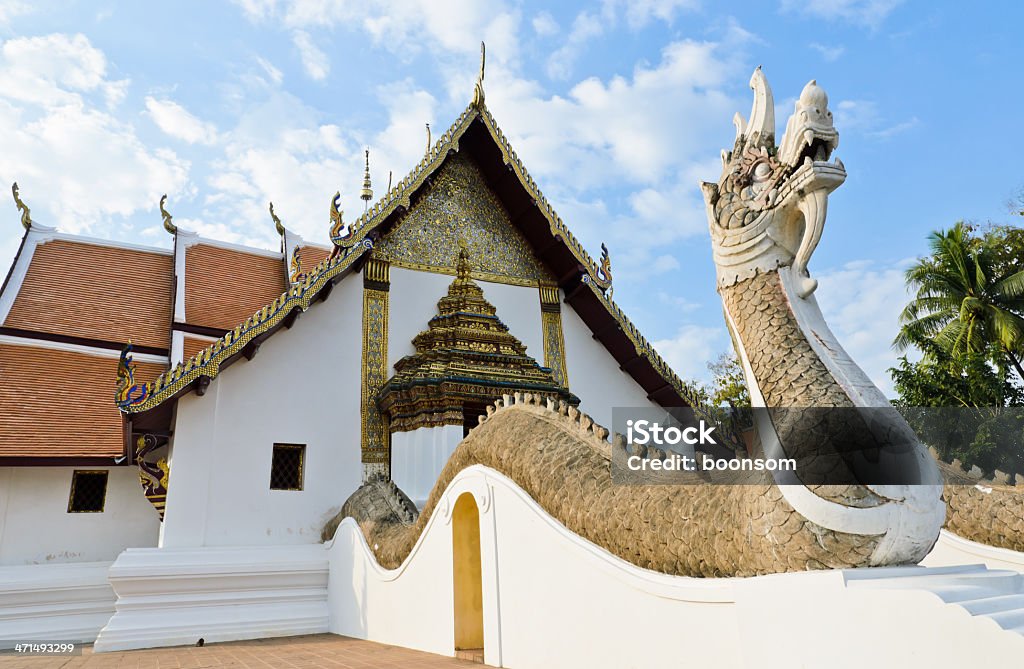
(26, 218)
(375, 361)
(277, 221)
(367, 193)
(478, 87)
(168, 226)
(296, 267)
(554, 338)
(459, 207)
(465, 358)
(154, 471)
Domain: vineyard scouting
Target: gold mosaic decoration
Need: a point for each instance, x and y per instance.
(376, 280)
(458, 206)
(554, 339)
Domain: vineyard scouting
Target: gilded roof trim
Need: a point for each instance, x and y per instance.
(136, 398)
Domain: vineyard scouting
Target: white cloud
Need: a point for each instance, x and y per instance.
(639, 13)
(861, 302)
(585, 27)
(829, 54)
(274, 74)
(314, 61)
(544, 24)
(12, 8)
(868, 13)
(76, 163)
(177, 122)
(689, 352)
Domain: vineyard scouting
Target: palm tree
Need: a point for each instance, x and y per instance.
(961, 304)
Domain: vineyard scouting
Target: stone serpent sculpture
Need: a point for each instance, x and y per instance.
(766, 215)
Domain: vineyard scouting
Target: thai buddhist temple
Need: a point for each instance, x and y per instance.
(402, 432)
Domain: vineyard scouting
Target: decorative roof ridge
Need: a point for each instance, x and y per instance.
(136, 398)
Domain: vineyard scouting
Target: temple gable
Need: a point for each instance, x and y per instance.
(459, 206)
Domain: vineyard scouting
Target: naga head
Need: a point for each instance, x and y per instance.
(768, 208)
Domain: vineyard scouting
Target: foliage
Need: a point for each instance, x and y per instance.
(967, 318)
(969, 296)
(728, 388)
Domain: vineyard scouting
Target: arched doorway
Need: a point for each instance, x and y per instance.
(469, 600)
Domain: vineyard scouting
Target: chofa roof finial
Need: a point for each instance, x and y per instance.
(337, 216)
(478, 88)
(168, 226)
(277, 221)
(367, 193)
(428, 139)
(26, 218)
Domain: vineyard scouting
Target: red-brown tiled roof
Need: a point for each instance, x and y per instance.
(223, 286)
(96, 292)
(57, 403)
(311, 256)
(194, 345)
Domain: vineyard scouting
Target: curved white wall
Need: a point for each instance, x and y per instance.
(302, 387)
(951, 549)
(36, 528)
(553, 599)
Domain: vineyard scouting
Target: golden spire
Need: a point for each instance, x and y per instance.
(367, 193)
(428, 139)
(168, 226)
(277, 221)
(26, 218)
(478, 87)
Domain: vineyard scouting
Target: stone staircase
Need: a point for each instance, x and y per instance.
(995, 594)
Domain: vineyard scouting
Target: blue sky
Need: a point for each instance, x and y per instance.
(616, 108)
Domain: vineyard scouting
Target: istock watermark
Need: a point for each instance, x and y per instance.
(807, 445)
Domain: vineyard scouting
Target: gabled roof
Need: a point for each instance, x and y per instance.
(55, 404)
(76, 289)
(584, 283)
(224, 286)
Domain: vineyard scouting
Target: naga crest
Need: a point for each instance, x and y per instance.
(768, 208)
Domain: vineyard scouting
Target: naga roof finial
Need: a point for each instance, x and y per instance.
(389, 181)
(277, 221)
(478, 87)
(26, 218)
(337, 216)
(168, 226)
(605, 271)
(428, 139)
(367, 193)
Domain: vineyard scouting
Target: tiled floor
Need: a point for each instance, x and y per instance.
(305, 652)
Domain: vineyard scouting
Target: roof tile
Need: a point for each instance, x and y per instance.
(223, 286)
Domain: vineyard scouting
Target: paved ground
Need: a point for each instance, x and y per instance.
(299, 652)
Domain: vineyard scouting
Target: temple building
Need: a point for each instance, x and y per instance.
(400, 433)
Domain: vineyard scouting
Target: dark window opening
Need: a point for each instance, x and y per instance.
(286, 467)
(88, 492)
(471, 417)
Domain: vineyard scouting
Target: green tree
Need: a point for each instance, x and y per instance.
(969, 297)
(728, 387)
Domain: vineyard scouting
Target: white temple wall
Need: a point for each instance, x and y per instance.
(36, 528)
(413, 302)
(594, 375)
(418, 456)
(303, 387)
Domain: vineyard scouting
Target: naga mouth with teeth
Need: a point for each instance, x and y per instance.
(770, 202)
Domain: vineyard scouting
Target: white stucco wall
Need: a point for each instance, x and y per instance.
(553, 599)
(303, 388)
(36, 528)
(594, 375)
(418, 456)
